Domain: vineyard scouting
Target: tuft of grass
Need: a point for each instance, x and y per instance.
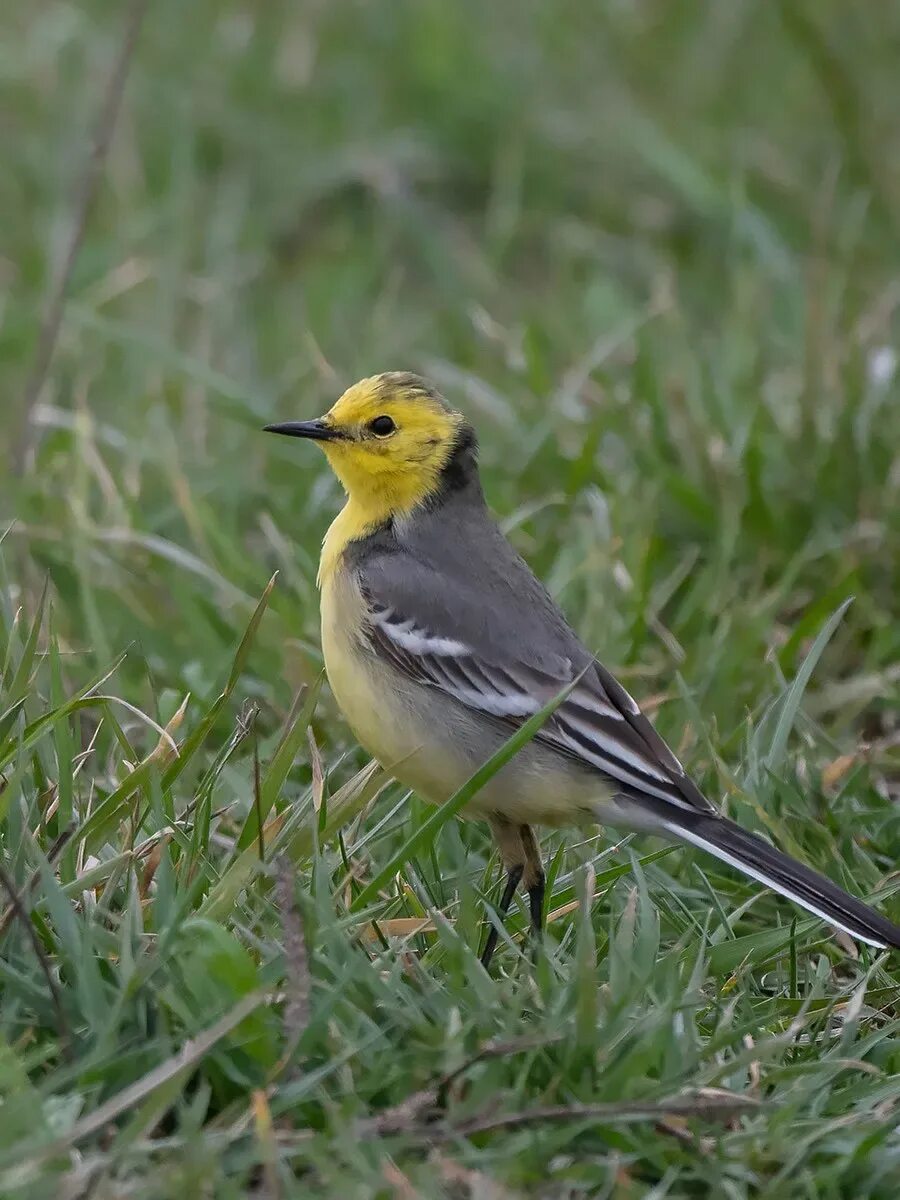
(651, 249)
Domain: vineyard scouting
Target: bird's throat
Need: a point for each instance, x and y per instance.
(353, 522)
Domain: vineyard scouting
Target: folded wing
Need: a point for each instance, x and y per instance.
(598, 724)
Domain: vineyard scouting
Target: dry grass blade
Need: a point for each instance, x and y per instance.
(400, 1185)
(84, 198)
(720, 1106)
(318, 771)
(403, 1117)
(398, 927)
(416, 1114)
(257, 799)
(262, 1119)
(298, 983)
(167, 748)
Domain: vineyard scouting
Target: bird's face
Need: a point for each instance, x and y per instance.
(388, 440)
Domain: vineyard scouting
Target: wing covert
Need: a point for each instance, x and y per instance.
(599, 724)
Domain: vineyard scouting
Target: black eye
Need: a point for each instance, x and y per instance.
(382, 426)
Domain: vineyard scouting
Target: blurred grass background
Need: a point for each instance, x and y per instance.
(652, 250)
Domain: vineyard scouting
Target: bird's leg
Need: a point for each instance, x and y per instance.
(512, 852)
(512, 882)
(533, 877)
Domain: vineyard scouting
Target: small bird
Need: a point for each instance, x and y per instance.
(439, 642)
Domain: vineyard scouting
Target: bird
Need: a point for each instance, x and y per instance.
(439, 642)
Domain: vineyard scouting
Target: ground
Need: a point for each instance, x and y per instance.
(651, 249)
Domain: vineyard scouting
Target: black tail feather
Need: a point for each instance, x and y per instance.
(762, 861)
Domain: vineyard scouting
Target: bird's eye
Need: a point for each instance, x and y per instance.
(382, 426)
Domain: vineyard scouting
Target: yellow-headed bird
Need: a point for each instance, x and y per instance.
(439, 641)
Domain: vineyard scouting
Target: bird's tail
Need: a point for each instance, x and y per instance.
(761, 861)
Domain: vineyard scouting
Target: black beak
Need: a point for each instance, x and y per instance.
(317, 430)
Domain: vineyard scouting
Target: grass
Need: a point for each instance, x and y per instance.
(652, 251)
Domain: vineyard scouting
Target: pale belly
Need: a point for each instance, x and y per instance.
(432, 744)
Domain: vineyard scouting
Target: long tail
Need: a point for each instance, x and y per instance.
(761, 861)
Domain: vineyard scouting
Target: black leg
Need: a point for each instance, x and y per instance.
(536, 904)
(512, 882)
(535, 879)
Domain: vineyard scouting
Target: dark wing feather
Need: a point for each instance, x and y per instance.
(599, 724)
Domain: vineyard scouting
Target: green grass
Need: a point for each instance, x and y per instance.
(652, 250)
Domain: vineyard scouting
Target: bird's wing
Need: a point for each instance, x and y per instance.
(598, 724)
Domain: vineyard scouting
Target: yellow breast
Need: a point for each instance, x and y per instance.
(349, 666)
(426, 742)
(343, 613)
(380, 706)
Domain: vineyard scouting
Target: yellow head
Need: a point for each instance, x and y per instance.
(390, 440)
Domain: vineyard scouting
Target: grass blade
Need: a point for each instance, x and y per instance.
(278, 769)
(793, 697)
(429, 828)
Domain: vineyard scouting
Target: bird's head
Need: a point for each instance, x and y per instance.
(393, 442)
